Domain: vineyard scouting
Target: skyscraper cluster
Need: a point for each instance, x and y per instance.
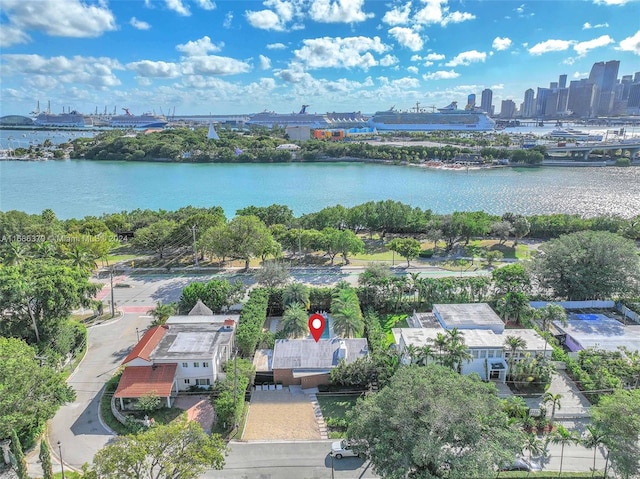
(602, 94)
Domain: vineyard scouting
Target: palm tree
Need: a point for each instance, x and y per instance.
(81, 259)
(295, 293)
(411, 353)
(424, 353)
(346, 314)
(549, 314)
(554, 399)
(457, 353)
(533, 444)
(515, 345)
(441, 341)
(294, 321)
(16, 253)
(45, 249)
(162, 312)
(594, 438)
(562, 436)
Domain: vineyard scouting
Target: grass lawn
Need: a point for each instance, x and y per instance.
(520, 251)
(388, 321)
(334, 409)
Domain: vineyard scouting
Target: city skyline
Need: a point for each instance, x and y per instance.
(202, 57)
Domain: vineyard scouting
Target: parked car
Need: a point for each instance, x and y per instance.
(344, 448)
(521, 464)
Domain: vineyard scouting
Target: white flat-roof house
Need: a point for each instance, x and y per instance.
(186, 351)
(598, 331)
(484, 335)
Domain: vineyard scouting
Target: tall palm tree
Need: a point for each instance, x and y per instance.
(554, 399)
(16, 253)
(346, 314)
(594, 438)
(81, 259)
(45, 249)
(424, 353)
(440, 341)
(515, 344)
(295, 293)
(411, 353)
(162, 312)
(457, 354)
(564, 437)
(549, 314)
(294, 321)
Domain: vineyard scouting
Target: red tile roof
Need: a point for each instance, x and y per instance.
(147, 344)
(137, 381)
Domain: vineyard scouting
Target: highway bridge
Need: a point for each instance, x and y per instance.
(585, 149)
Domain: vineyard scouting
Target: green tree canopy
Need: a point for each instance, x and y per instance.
(408, 248)
(617, 417)
(216, 294)
(588, 265)
(430, 422)
(30, 394)
(159, 236)
(178, 450)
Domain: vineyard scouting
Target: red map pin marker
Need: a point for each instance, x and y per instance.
(316, 326)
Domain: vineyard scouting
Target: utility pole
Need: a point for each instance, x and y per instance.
(113, 306)
(235, 389)
(195, 250)
(61, 461)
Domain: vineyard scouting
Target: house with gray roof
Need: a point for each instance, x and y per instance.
(308, 363)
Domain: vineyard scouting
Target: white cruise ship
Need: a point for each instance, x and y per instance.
(146, 120)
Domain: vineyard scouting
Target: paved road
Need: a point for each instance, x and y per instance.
(310, 460)
(282, 460)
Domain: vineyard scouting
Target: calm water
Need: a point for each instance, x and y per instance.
(75, 188)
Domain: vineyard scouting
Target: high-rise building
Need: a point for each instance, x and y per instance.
(507, 109)
(604, 76)
(636, 77)
(553, 85)
(471, 101)
(582, 98)
(486, 100)
(541, 101)
(528, 104)
(562, 81)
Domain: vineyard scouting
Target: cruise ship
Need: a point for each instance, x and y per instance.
(417, 119)
(146, 120)
(570, 134)
(269, 119)
(72, 119)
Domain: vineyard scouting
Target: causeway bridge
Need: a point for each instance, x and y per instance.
(585, 149)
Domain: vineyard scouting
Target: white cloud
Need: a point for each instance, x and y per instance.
(276, 46)
(437, 11)
(277, 16)
(338, 11)
(265, 20)
(406, 82)
(588, 26)
(199, 47)
(214, 65)
(428, 64)
(74, 20)
(550, 46)
(328, 52)
(466, 58)
(139, 24)
(610, 2)
(580, 75)
(582, 48)
(178, 7)
(206, 4)
(94, 71)
(10, 35)
(501, 43)
(228, 19)
(148, 68)
(413, 70)
(416, 58)
(434, 57)
(631, 44)
(407, 37)
(441, 75)
(398, 15)
(388, 60)
(499, 86)
(265, 62)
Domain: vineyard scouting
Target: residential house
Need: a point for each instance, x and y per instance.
(308, 363)
(187, 351)
(483, 333)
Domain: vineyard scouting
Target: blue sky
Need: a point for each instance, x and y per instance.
(206, 56)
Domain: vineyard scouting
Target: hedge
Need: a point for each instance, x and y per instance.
(252, 318)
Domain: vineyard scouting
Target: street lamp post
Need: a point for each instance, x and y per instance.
(138, 334)
(61, 461)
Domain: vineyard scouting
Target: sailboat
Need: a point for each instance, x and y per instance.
(212, 134)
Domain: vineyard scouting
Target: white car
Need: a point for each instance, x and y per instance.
(340, 449)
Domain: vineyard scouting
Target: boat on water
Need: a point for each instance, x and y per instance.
(129, 120)
(269, 119)
(571, 134)
(419, 119)
(72, 119)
